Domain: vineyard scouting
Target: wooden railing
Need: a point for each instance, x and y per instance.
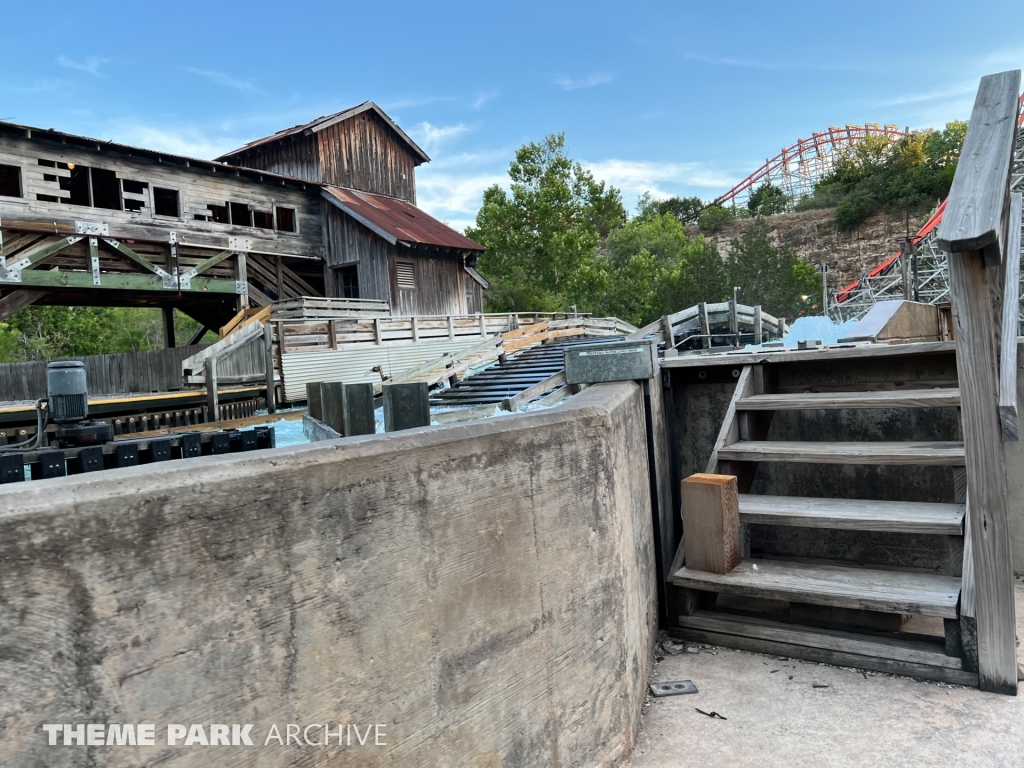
(696, 322)
(979, 233)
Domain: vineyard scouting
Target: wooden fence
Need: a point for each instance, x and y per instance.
(158, 370)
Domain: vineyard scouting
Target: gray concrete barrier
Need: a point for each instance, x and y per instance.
(484, 592)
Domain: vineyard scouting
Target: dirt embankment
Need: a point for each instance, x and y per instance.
(813, 237)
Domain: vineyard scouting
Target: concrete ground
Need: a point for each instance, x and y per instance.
(776, 717)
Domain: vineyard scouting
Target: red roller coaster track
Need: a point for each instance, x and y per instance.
(847, 292)
(798, 168)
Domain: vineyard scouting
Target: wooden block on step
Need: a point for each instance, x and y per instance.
(711, 522)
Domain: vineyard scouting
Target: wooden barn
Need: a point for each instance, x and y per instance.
(323, 209)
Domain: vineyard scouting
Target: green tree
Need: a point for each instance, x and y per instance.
(769, 274)
(686, 209)
(714, 218)
(656, 269)
(768, 199)
(542, 237)
(876, 174)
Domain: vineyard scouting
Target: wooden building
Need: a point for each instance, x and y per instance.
(323, 209)
(378, 244)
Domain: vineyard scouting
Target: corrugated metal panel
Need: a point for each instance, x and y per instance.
(398, 220)
(355, 365)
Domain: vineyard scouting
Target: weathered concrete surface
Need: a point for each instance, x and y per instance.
(860, 719)
(486, 590)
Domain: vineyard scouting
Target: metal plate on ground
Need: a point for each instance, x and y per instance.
(676, 688)
(613, 361)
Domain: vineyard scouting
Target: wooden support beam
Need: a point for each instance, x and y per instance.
(17, 299)
(705, 325)
(711, 522)
(130, 281)
(212, 402)
(168, 318)
(1010, 321)
(268, 346)
(210, 262)
(142, 261)
(758, 325)
(988, 512)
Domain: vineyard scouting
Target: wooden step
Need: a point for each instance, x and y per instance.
(950, 454)
(915, 657)
(853, 514)
(842, 586)
(803, 401)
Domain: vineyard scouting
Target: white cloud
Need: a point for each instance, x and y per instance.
(639, 176)
(483, 98)
(185, 140)
(917, 98)
(224, 79)
(90, 65)
(597, 78)
(431, 137)
(726, 61)
(454, 198)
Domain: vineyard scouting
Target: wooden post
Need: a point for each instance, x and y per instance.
(973, 233)
(268, 342)
(168, 317)
(241, 277)
(483, 326)
(758, 325)
(211, 389)
(451, 328)
(377, 335)
(711, 522)
(734, 323)
(705, 324)
(279, 270)
(415, 330)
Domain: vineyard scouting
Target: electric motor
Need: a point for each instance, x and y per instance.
(66, 391)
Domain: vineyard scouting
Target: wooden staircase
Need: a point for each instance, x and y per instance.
(861, 591)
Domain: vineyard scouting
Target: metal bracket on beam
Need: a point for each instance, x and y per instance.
(239, 244)
(12, 273)
(242, 287)
(92, 228)
(94, 260)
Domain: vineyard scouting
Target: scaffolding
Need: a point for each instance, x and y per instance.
(796, 169)
(919, 271)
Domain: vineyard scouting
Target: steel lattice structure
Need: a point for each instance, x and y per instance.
(892, 279)
(796, 169)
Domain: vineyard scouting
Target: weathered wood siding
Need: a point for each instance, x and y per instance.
(474, 294)
(296, 156)
(157, 370)
(439, 279)
(197, 189)
(349, 242)
(366, 154)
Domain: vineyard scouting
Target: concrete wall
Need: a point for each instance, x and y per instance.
(486, 590)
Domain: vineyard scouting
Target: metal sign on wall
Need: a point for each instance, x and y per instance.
(614, 361)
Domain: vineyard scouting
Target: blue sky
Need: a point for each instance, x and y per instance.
(671, 98)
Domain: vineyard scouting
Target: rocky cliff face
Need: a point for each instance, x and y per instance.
(813, 237)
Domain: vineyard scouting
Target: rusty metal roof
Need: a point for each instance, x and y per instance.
(397, 221)
(313, 126)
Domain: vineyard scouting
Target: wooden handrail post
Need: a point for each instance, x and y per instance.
(974, 235)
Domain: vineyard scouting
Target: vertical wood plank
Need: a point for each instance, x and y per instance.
(1010, 319)
(711, 520)
(988, 519)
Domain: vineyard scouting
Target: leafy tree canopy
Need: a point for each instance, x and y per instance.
(542, 237)
(874, 174)
(769, 274)
(768, 199)
(686, 209)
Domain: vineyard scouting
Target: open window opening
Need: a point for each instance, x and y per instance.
(106, 192)
(348, 281)
(165, 202)
(285, 219)
(241, 216)
(219, 214)
(77, 183)
(263, 219)
(134, 194)
(10, 181)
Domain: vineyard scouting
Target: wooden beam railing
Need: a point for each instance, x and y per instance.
(974, 234)
(1008, 340)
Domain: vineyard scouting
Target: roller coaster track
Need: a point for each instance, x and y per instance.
(796, 169)
(893, 278)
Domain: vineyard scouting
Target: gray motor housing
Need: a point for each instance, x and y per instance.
(66, 392)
